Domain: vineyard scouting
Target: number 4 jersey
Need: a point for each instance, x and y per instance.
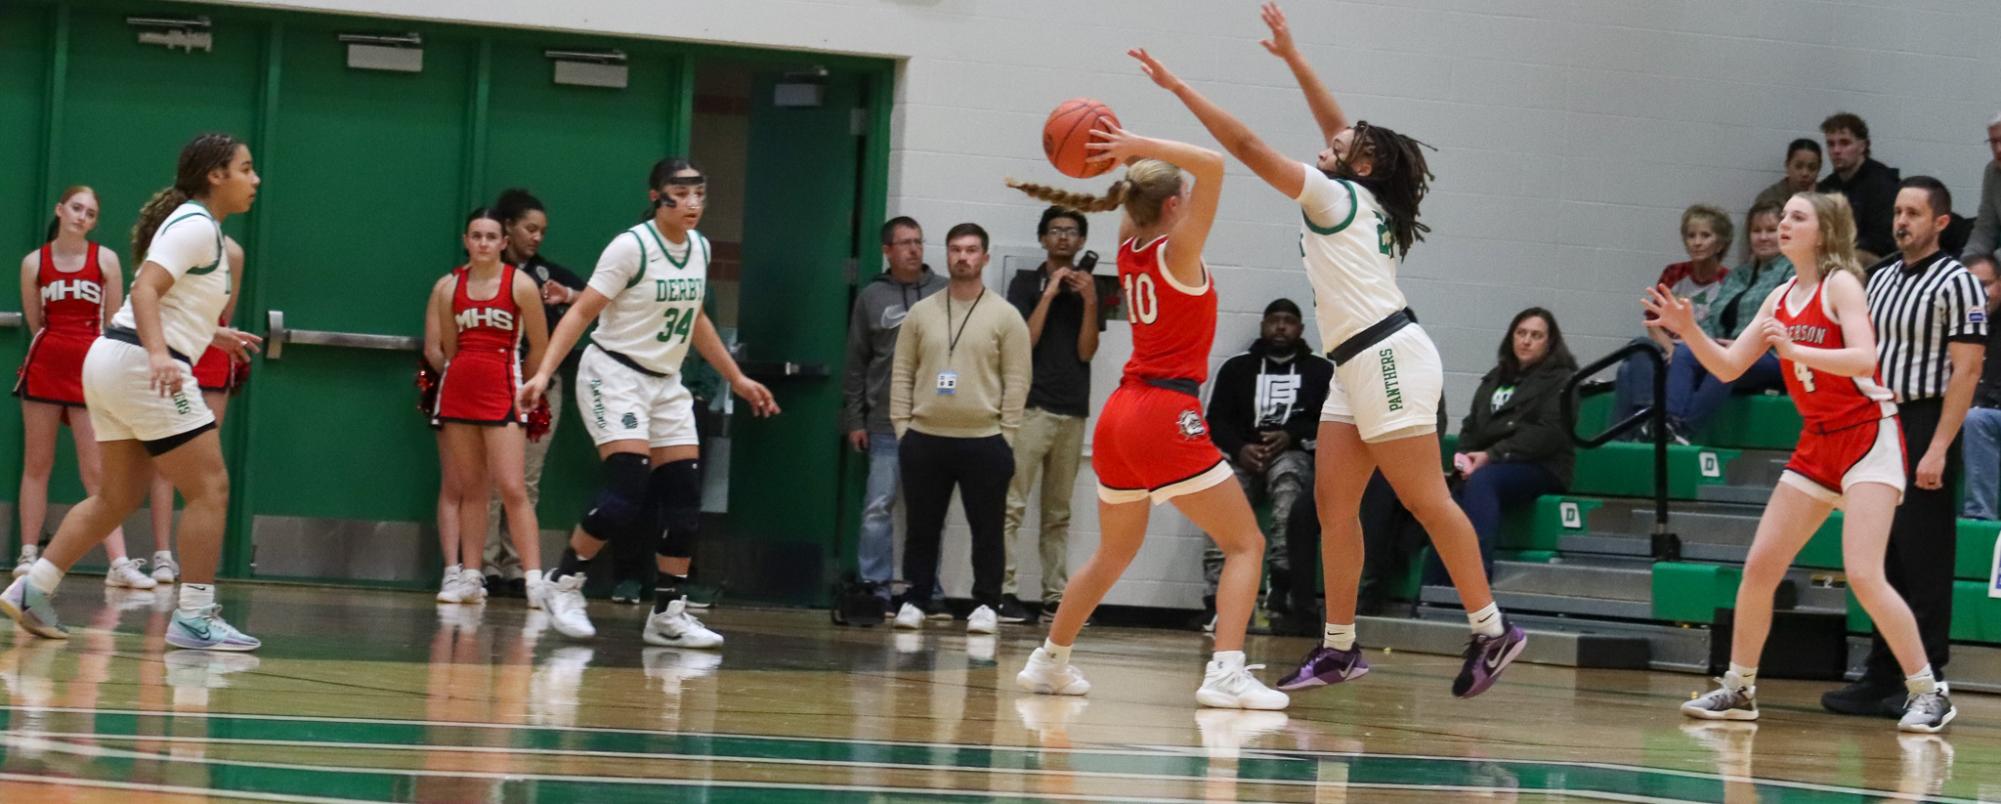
(1826, 401)
(656, 290)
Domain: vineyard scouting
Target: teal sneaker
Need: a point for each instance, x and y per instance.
(206, 630)
(34, 609)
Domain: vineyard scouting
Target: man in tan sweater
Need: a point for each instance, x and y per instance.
(956, 393)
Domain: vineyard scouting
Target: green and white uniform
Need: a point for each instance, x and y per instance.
(1391, 389)
(117, 377)
(629, 379)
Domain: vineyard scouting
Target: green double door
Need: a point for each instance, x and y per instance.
(368, 177)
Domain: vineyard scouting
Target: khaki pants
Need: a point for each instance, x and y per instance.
(500, 557)
(1048, 448)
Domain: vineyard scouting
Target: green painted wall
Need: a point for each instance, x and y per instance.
(368, 176)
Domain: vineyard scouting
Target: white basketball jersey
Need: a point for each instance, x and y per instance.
(656, 289)
(1345, 242)
(189, 246)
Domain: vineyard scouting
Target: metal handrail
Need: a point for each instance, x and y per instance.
(13, 320)
(277, 335)
(1665, 545)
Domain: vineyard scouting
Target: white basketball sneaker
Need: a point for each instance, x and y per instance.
(674, 627)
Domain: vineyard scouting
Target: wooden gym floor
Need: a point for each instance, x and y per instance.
(384, 696)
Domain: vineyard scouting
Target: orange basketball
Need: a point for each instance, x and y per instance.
(1068, 129)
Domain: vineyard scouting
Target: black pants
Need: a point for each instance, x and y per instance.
(1923, 541)
(980, 468)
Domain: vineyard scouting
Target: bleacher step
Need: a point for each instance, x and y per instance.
(1669, 647)
(1744, 495)
(1604, 578)
(1546, 646)
(1560, 603)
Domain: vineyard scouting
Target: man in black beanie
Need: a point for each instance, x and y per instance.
(1264, 409)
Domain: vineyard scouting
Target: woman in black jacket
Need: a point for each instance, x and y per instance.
(1513, 446)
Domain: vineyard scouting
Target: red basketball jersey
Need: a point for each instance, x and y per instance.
(1827, 401)
(488, 324)
(72, 303)
(1173, 326)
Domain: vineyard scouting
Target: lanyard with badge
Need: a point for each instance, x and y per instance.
(948, 380)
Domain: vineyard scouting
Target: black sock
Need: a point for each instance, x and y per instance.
(667, 590)
(571, 564)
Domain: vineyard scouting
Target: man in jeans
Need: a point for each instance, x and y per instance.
(956, 392)
(879, 312)
(1982, 446)
(1059, 300)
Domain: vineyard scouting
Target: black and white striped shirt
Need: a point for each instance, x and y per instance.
(1918, 309)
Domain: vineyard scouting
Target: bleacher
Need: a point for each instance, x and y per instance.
(1579, 569)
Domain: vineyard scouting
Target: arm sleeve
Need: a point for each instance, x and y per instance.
(185, 243)
(1540, 433)
(1963, 308)
(1986, 222)
(903, 367)
(1329, 204)
(1226, 409)
(1015, 372)
(618, 266)
(854, 377)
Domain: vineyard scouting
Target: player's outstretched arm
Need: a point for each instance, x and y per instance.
(1326, 111)
(1284, 175)
(1189, 235)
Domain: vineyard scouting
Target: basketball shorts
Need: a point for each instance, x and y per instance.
(117, 380)
(1391, 390)
(621, 403)
(1153, 444)
(1826, 465)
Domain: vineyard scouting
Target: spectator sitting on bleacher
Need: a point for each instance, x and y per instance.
(1802, 170)
(1982, 245)
(1513, 445)
(1981, 447)
(1694, 394)
(1705, 235)
(1264, 411)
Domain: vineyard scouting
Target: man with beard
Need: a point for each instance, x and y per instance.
(1263, 413)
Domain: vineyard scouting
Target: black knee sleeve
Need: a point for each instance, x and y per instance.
(677, 489)
(621, 501)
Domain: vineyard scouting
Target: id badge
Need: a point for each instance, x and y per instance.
(948, 383)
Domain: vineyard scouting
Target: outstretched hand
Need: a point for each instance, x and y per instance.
(1161, 76)
(1673, 314)
(1280, 44)
(1115, 145)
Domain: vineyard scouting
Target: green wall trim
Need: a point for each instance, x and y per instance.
(681, 119)
(478, 99)
(52, 109)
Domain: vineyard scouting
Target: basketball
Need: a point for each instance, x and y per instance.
(1069, 129)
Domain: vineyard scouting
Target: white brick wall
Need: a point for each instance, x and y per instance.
(1571, 133)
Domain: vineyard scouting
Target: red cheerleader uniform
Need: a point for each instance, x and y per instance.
(72, 315)
(479, 383)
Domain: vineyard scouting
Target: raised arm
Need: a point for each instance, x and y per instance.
(1326, 111)
(1677, 315)
(1284, 175)
(1206, 166)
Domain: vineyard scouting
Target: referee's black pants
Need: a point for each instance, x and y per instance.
(1923, 547)
(932, 466)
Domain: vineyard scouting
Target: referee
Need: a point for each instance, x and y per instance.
(1931, 330)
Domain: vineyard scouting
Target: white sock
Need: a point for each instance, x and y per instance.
(1922, 682)
(197, 596)
(1747, 675)
(453, 569)
(1339, 636)
(532, 576)
(44, 575)
(1060, 654)
(1487, 621)
(1229, 659)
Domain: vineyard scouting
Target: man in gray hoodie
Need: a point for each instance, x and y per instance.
(879, 312)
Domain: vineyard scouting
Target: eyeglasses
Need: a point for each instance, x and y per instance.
(1061, 231)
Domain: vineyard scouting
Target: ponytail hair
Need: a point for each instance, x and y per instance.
(201, 155)
(55, 222)
(1147, 185)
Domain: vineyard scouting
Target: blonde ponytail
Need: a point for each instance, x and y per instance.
(1114, 196)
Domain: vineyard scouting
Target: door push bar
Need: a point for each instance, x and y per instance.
(277, 335)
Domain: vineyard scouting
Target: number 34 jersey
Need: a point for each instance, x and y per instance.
(656, 288)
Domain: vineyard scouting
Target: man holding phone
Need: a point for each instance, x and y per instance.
(1060, 302)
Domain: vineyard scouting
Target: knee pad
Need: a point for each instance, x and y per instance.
(676, 488)
(621, 501)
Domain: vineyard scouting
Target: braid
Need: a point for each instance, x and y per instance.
(154, 213)
(1114, 196)
(1399, 178)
